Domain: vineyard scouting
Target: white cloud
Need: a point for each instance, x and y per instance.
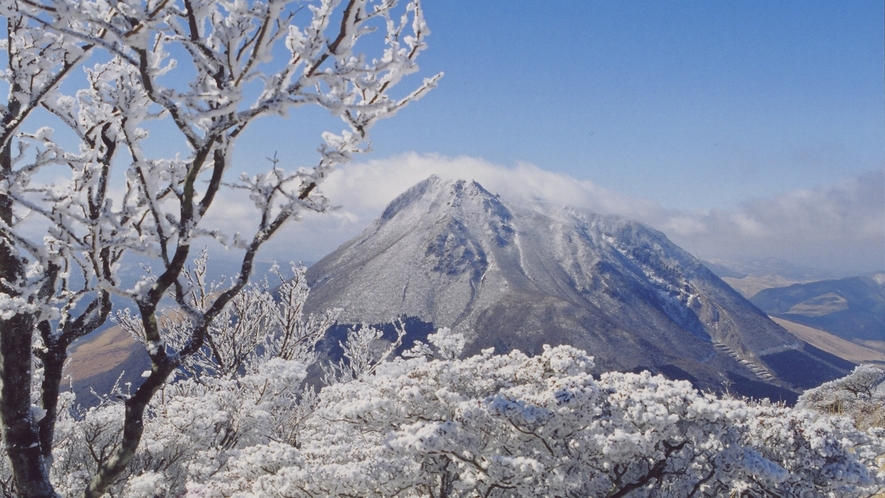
(837, 227)
(370, 186)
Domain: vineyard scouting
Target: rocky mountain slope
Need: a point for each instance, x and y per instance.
(515, 276)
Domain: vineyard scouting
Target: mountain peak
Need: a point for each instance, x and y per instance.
(435, 193)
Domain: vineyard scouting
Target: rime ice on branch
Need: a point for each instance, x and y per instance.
(61, 242)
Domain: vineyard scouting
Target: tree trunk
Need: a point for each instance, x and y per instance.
(53, 364)
(133, 428)
(20, 432)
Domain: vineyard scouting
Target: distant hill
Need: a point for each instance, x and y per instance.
(513, 276)
(851, 308)
(101, 360)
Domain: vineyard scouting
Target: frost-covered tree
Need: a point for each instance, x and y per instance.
(513, 425)
(79, 195)
(242, 389)
(857, 396)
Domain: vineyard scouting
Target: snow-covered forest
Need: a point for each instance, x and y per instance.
(240, 421)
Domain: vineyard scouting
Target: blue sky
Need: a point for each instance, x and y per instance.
(742, 129)
(696, 105)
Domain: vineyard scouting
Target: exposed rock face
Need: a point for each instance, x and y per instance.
(521, 276)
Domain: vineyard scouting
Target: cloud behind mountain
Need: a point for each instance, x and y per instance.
(838, 227)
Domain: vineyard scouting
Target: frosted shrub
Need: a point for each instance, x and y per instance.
(192, 429)
(855, 396)
(244, 388)
(512, 425)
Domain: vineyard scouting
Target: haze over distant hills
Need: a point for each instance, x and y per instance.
(749, 276)
(765, 267)
(518, 276)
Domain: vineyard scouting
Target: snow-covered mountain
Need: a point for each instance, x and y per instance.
(517, 276)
